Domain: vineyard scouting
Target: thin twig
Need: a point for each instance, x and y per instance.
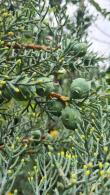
(31, 46)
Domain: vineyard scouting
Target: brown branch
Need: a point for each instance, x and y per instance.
(1, 146)
(62, 98)
(26, 140)
(30, 46)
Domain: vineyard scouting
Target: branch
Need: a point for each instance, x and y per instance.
(106, 34)
(101, 41)
(97, 7)
(30, 46)
(64, 99)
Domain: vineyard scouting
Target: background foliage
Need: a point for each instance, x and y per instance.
(55, 133)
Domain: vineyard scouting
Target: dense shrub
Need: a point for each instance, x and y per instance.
(54, 102)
